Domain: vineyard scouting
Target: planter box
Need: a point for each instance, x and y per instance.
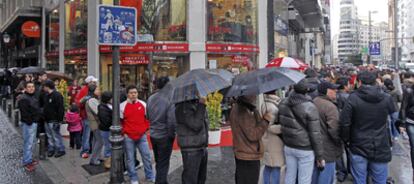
(214, 137)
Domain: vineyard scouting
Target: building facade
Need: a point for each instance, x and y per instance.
(379, 33)
(405, 28)
(348, 43)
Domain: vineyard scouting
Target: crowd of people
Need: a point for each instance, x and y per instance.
(334, 123)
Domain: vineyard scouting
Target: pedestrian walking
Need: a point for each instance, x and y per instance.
(80, 100)
(363, 125)
(30, 114)
(91, 107)
(74, 122)
(301, 132)
(135, 125)
(192, 135)
(248, 128)
(332, 146)
(393, 92)
(105, 119)
(161, 115)
(273, 159)
(53, 112)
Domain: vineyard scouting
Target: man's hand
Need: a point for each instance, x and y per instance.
(320, 164)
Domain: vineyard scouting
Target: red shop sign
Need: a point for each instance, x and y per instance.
(31, 29)
(134, 60)
(232, 48)
(79, 51)
(240, 59)
(52, 54)
(150, 47)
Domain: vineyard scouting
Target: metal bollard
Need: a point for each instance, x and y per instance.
(9, 110)
(16, 117)
(4, 104)
(42, 146)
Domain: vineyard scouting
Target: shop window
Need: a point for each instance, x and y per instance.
(169, 66)
(232, 21)
(76, 67)
(52, 40)
(76, 24)
(234, 63)
(163, 20)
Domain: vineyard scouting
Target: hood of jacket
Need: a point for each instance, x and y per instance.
(296, 98)
(272, 98)
(371, 94)
(72, 117)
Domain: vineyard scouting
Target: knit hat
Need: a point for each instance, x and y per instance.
(324, 86)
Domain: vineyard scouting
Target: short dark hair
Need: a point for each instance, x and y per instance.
(131, 87)
(74, 108)
(49, 83)
(367, 77)
(106, 97)
(27, 83)
(161, 82)
(342, 82)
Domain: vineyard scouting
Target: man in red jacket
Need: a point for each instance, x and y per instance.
(134, 127)
(80, 102)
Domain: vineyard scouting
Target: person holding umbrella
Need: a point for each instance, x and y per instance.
(248, 128)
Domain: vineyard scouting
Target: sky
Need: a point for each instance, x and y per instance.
(363, 7)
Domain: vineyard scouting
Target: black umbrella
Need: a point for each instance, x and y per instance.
(196, 83)
(31, 70)
(263, 80)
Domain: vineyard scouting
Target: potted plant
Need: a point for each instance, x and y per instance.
(62, 88)
(215, 117)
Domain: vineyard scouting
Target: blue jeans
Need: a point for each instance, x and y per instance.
(97, 145)
(85, 136)
(327, 176)
(410, 133)
(361, 167)
(299, 165)
(107, 144)
(29, 135)
(271, 175)
(393, 128)
(54, 139)
(143, 147)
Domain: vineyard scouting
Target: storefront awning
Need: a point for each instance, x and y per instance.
(19, 17)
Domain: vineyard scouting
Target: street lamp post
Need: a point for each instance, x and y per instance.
(6, 40)
(117, 140)
(370, 34)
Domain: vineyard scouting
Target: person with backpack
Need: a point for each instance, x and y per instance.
(91, 107)
(53, 113)
(273, 157)
(301, 131)
(74, 122)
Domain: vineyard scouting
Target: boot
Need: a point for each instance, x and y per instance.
(107, 163)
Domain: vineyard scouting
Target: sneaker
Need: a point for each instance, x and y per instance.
(50, 154)
(85, 155)
(29, 167)
(35, 162)
(59, 154)
(139, 166)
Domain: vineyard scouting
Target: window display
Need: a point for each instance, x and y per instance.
(169, 66)
(76, 67)
(52, 40)
(76, 24)
(234, 63)
(232, 21)
(164, 20)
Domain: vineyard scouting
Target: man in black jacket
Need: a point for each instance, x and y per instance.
(363, 125)
(30, 113)
(53, 111)
(192, 135)
(301, 130)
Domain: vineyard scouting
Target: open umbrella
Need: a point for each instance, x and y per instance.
(196, 83)
(59, 75)
(31, 70)
(263, 80)
(288, 62)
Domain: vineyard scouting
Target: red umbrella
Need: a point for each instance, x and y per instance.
(288, 62)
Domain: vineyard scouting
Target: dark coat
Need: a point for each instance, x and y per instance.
(332, 144)
(301, 127)
(341, 99)
(105, 117)
(161, 114)
(53, 109)
(192, 125)
(29, 108)
(363, 123)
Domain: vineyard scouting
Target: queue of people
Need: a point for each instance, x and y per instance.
(301, 138)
